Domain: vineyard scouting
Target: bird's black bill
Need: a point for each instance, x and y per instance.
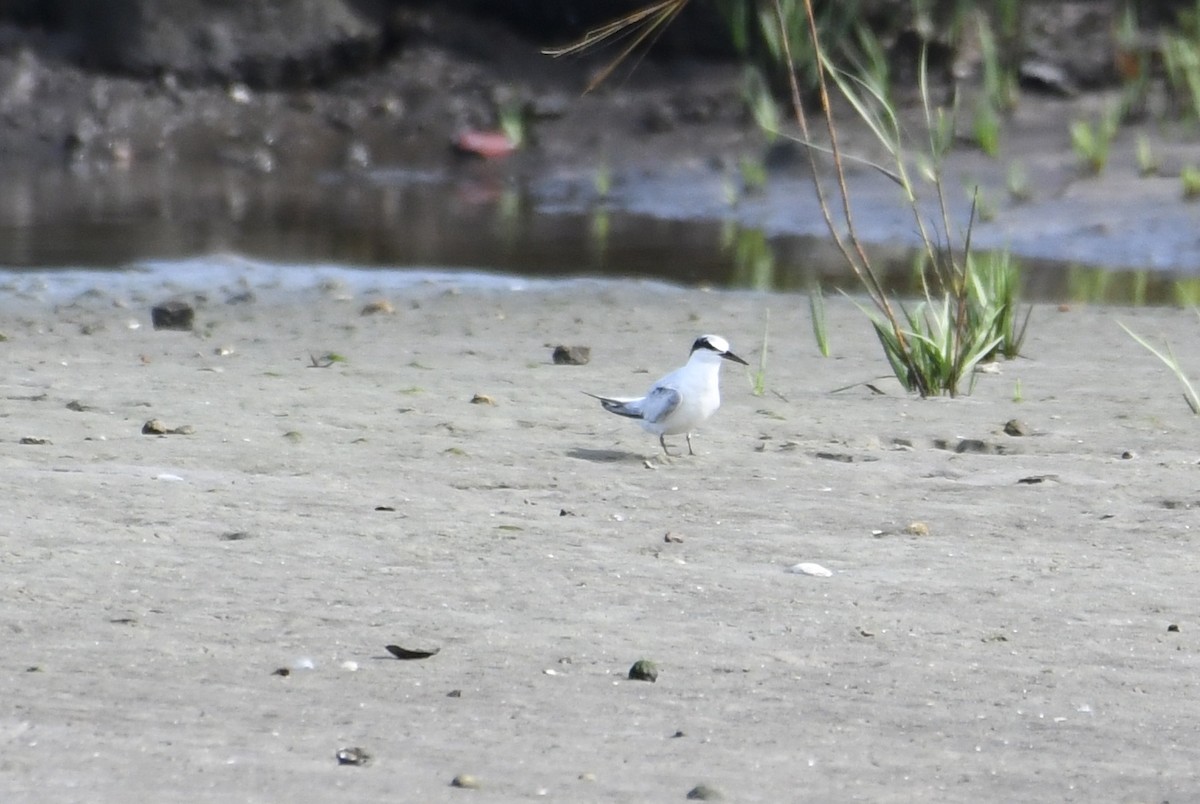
(734, 358)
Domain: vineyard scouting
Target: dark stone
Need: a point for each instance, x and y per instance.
(353, 756)
(157, 427)
(408, 653)
(644, 670)
(173, 315)
(466, 781)
(704, 792)
(572, 355)
(1016, 427)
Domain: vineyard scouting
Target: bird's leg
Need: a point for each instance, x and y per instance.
(689, 440)
(662, 440)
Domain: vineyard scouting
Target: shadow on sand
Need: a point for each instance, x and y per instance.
(605, 455)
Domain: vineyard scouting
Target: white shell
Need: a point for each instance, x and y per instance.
(808, 568)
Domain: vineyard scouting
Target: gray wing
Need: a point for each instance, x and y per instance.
(660, 403)
(622, 407)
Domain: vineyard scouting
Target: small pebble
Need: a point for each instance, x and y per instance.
(571, 355)
(1016, 427)
(353, 756)
(482, 399)
(1173, 628)
(704, 792)
(917, 529)
(465, 781)
(239, 93)
(644, 670)
(176, 315)
(156, 427)
(378, 306)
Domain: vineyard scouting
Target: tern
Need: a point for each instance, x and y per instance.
(682, 400)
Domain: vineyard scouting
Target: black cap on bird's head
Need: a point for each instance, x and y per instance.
(717, 344)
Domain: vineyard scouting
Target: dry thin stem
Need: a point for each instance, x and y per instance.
(802, 121)
(839, 171)
(856, 259)
(651, 19)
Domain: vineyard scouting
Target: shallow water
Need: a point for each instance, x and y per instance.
(476, 219)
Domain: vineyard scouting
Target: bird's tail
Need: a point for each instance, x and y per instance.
(621, 407)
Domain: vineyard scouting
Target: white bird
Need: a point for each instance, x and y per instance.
(684, 399)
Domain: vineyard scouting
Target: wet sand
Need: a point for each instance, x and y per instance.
(997, 625)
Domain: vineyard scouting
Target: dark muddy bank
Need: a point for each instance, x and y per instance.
(326, 136)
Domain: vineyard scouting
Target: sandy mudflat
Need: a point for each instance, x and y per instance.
(1018, 651)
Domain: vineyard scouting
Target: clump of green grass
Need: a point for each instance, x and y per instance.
(927, 352)
(945, 340)
(935, 346)
(1190, 176)
(1181, 58)
(753, 259)
(1092, 141)
(602, 181)
(1147, 160)
(754, 174)
(999, 94)
(599, 229)
(986, 128)
(1016, 181)
(513, 120)
(993, 296)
